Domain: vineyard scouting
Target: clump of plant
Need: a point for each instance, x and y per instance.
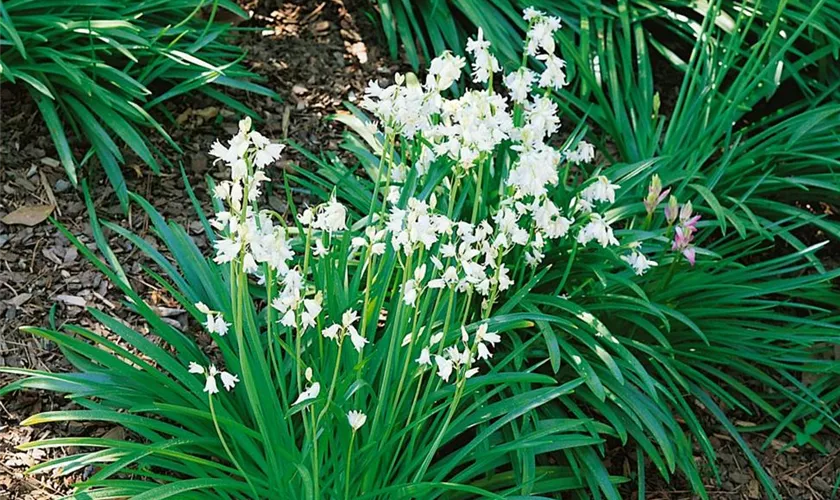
(485, 314)
(352, 356)
(96, 70)
(723, 307)
(426, 27)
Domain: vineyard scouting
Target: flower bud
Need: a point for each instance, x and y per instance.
(685, 212)
(672, 210)
(655, 194)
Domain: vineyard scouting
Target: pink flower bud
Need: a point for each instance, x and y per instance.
(655, 194)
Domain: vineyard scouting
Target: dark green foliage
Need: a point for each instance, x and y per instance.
(752, 140)
(424, 28)
(96, 68)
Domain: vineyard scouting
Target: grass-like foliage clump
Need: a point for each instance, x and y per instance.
(95, 70)
(595, 28)
(484, 313)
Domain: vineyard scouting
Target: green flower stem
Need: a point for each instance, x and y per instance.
(672, 269)
(387, 184)
(456, 400)
(347, 466)
(269, 319)
(299, 361)
(365, 315)
(580, 287)
(390, 359)
(431, 317)
(269, 324)
(452, 196)
(494, 293)
(410, 345)
(389, 140)
(408, 422)
(298, 334)
(310, 431)
(669, 234)
(568, 269)
(316, 459)
(478, 189)
(227, 448)
(366, 301)
(331, 390)
(450, 312)
(565, 179)
(648, 220)
(436, 444)
(403, 374)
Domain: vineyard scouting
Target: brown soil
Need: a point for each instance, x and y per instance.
(316, 54)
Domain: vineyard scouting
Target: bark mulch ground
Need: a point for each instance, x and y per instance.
(316, 54)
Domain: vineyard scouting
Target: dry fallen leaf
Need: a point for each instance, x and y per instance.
(167, 312)
(183, 117)
(207, 113)
(50, 162)
(359, 50)
(115, 433)
(19, 300)
(71, 300)
(28, 215)
(753, 489)
(45, 183)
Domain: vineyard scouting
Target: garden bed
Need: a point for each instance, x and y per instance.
(316, 55)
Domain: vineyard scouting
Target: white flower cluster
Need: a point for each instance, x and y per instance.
(337, 331)
(249, 238)
(485, 63)
(372, 241)
(214, 322)
(499, 145)
(638, 262)
(468, 256)
(470, 130)
(252, 236)
(539, 43)
(330, 217)
(252, 241)
(247, 154)
(454, 358)
(210, 385)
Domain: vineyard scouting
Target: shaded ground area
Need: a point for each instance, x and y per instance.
(799, 473)
(316, 55)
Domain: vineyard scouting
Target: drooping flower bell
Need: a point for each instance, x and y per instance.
(356, 419)
(682, 243)
(639, 262)
(228, 380)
